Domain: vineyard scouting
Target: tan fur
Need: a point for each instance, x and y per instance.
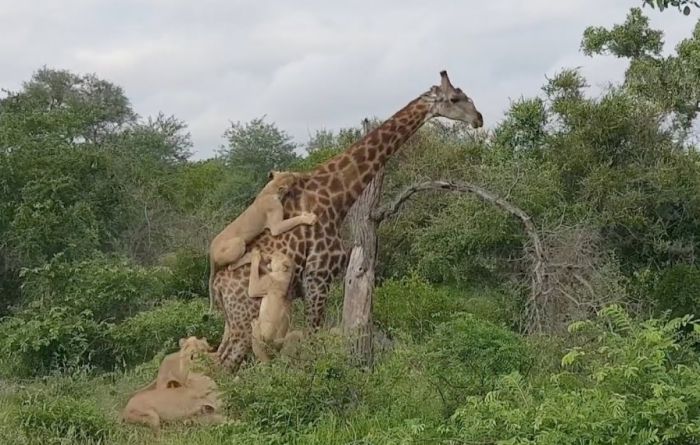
(175, 367)
(272, 324)
(198, 402)
(266, 212)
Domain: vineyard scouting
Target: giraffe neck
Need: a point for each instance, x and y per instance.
(344, 177)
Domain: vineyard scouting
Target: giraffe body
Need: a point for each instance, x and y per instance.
(317, 251)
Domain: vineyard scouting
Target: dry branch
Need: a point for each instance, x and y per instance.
(537, 282)
(483, 194)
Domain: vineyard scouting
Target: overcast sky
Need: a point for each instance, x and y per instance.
(310, 64)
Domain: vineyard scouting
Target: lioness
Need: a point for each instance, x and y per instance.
(266, 212)
(151, 407)
(175, 367)
(271, 326)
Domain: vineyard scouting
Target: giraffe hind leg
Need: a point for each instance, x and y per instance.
(316, 290)
(234, 348)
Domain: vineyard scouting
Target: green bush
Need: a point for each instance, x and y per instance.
(677, 290)
(111, 288)
(73, 326)
(497, 305)
(466, 243)
(292, 393)
(54, 339)
(188, 275)
(414, 306)
(466, 355)
(63, 419)
(622, 385)
(138, 338)
(401, 377)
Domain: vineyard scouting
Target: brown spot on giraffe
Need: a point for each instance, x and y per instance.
(318, 251)
(336, 186)
(371, 154)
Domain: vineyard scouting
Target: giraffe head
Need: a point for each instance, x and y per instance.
(452, 103)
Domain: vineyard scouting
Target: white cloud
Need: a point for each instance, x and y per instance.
(308, 64)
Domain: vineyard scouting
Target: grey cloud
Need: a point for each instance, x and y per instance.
(308, 64)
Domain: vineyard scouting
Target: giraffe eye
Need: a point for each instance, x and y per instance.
(454, 100)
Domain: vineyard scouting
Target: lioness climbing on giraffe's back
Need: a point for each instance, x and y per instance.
(266, 212)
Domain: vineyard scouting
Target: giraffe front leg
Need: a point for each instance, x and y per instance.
(316, 289)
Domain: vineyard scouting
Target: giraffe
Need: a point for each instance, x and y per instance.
(328, 191)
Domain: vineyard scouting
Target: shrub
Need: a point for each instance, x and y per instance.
(291, 393)
(138, 338)
(111, 288)
(466, 243)
(188, 274)
(65, 418)
(54, 339)
(677, 290)
(466, 356)
(497, 305)
(412, 305)
(627, 387)
(401, 377)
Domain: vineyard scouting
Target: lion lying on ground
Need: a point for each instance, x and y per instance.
(197, 401)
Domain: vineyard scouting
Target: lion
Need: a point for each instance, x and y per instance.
(271, 326)
(198, 401)
(266, 212)
(175, 367)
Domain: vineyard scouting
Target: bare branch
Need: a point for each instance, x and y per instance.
(464, 187)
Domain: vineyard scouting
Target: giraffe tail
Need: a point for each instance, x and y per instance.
(212, 293)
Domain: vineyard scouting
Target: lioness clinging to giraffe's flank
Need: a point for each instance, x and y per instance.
(266, 212)
(271, 326)
(175, 367)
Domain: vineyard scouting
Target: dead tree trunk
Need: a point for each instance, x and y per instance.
(360, 273)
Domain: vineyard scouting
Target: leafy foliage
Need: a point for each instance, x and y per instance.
(677, 290)
(138, 338)
(466, 356)
(415, 307)
(620, 386)
(294, 393)
(111, 289)
(682, 5)
(55, 339)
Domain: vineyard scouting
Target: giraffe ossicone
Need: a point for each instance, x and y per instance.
(328, 191)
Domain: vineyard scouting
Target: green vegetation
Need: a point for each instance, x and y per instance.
(104, 223)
